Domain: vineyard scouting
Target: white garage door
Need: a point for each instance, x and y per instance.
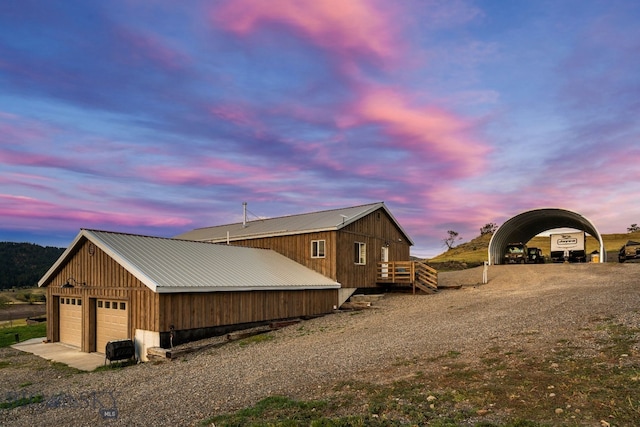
(112, 322)
(71, 321)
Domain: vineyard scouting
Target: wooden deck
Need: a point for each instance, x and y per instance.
(416, 274)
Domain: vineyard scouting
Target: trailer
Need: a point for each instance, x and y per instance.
(568, 247)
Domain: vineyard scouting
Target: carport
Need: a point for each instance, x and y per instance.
(522, 227)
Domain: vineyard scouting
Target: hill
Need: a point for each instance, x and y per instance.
(23, 264)
(474, 252)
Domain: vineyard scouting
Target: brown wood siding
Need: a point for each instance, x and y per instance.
(105, 279)
(298, 248)
(375, 230)
(200, 310)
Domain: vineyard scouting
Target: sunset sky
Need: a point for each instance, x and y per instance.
(158, 117)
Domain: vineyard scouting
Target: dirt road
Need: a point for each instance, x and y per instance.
(527, 308)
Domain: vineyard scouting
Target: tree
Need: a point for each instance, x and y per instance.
(450, 241)
(633, 228)
(488, 228)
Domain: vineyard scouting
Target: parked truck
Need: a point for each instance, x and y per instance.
(568, 247)
(535, 256)
(631, 250)
(516, 253)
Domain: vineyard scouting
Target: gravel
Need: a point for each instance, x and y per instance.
(528, 307)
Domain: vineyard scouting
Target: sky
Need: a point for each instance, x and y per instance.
(156, 117)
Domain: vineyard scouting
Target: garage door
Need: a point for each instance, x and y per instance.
(71, 321)
(112, 322)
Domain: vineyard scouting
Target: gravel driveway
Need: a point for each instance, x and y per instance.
(305, 360)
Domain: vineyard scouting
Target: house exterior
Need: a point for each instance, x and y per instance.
(108, 286)
(347, 245)
(156, 291)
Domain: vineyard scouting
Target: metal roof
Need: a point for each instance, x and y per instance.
(173, 265)
(524, 226)
(329, 220)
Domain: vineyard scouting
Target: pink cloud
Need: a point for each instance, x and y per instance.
(144, 46)
(14, 128)
(233, 114)
(209, 171)
(431, 133)
(16, 158)
(345, 27)
(29, 212)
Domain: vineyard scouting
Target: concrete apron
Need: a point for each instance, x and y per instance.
(62, 353)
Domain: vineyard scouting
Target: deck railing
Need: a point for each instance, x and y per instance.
(415, 273)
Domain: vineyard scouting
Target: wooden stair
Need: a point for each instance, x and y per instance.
(416, 274)
(425, 278)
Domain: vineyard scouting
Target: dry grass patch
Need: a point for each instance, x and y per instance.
(502, 387)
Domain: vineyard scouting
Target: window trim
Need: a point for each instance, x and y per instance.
(360, 253)
(316, 245)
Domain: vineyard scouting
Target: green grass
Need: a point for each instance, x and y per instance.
(7, 334)
(255, 339)
(16, 295)
(21, 402)
(116, 365)
(273, 411)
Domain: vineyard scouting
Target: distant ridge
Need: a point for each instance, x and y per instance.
(23, 264)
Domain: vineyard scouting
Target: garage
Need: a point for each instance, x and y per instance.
(112, 322)
(150, 289)
(71, 321)
(524, 226)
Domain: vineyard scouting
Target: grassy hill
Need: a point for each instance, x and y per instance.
(473, 253)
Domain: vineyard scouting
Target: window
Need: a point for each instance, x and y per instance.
(61, 300)
(107, 304)
(99, 304)
(79, 301)
(68, 302)
(114, 305)
(360, 253)
(122, 306)
(317, 249)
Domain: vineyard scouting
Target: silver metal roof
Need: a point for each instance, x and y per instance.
(329, 220)
(172, 265)
(524, 226)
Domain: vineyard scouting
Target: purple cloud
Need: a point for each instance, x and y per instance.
(156, 120)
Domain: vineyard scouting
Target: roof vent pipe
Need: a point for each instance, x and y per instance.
(244, 214)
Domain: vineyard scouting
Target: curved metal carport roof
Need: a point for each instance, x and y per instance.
(524, 226)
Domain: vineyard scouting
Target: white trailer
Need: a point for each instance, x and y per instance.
(569, 247)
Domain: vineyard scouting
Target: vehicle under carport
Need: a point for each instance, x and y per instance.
(524, 226)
